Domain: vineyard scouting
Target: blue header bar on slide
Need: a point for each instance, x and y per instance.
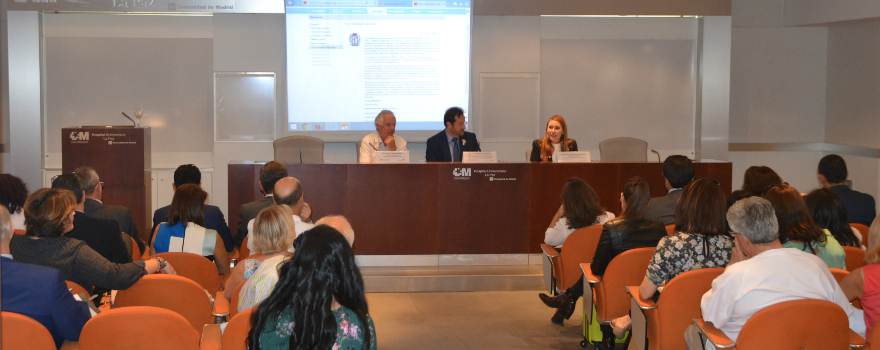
(454, 4)
(346, 11)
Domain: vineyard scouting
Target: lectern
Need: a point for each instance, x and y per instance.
(121, 156)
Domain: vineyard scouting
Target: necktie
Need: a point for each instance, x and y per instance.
(456, 152)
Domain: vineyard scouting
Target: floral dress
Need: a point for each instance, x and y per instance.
(683, 252)
(349, 332)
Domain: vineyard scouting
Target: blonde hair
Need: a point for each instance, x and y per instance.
(273, 229)
(873, 255)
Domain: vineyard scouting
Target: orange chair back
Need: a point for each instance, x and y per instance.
(195, 267)
(862, 230)
(236, 333)
(626, 269)
(233, 303)
(22, 332)
(874, 336)
(838, 274)
(19, 232)
(670, 230)
(244, 252)
(794, 325)
(579, 247)
(75, 288)
(175, 293)
(855, 258)
(135, 251)
(678, 306)
(139, 327)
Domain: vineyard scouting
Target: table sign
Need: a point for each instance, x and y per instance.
(391, 157)
(479, 157)
(571, 157)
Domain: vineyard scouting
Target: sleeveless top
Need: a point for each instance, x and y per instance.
(871, 297)
(191, 239)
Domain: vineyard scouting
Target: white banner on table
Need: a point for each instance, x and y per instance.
(391, 157)
(571, 157)
(479, 157)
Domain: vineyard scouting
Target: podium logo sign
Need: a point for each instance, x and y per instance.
(461, 173)
(79, 137)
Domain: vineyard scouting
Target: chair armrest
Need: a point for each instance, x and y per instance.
(69, 345)
(221, 305)
(643, 304)
(210, 337)
(715, 335)
(588, 274)
(549, 251)
(856, 341)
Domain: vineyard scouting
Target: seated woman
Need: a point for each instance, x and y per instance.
(48, 215)
(701, 238)
(580, 207)
(759, 178)
(13, 193)
(827, 209)
(798, 230)
(319, 301)
(631, 230)
(864, 282)
(273, 236)
(555, 140)
(184, 231)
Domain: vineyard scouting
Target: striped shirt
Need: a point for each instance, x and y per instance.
(260, 285)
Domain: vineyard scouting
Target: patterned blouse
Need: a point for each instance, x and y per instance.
(260, 284)
(349, 332)
(683, 252)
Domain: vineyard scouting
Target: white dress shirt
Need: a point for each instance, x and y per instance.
(372, 143)
(298, 225)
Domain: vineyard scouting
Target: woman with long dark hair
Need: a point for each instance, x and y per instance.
(580, 207)
(554, 140)
(827, 209)
(798, 230)
(318, 302)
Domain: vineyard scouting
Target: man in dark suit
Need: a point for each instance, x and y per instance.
(94, 189)
(677, 171)
(270, 173)
(832, 175)
(214, 219)
(102, 235)
(38, 292)
(448, 145)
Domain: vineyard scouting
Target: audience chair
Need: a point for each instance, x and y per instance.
(244, 252)
(75, 288)
(579, 247)
(19, 232)
(863, 230)
(22, 332)
(233, 303)
(136, 252)
(299, 150)
(676, 309)
(874, 337)
(623, 149)
(175, 293)
(838, 276)
(139, 327)
(607, 291)
(237, 331)
(195, 267)
(855, 258)
(670, 230)
(790, 325)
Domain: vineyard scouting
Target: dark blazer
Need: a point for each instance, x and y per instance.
(118, 213)
(248, 212)
(102, 235)
(860, 206)
(214, 220)
(536, 150)
(620, 235)
(40, 293)
(438, 147)
(663, 208)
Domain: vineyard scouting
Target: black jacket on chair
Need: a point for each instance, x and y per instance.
(620, 235)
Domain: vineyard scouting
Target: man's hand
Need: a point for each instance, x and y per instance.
(736, 255)
(389, 143)
(306, 214)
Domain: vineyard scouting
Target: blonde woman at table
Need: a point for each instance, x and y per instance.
(555, 140)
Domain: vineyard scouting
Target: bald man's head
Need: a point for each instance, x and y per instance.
(288, 191)
(341, 224)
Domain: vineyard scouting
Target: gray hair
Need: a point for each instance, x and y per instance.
(88, 179)
(755, 219)
(341, 224)
(5, 222)
(380, 118)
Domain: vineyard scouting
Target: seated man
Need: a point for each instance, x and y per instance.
(38, 292)
(832, 173)
(383, 139)
(449, 144)
(94, 188)
(677, 171)
(270, 173)
(214, 220)
(288, 191)
(762, 273)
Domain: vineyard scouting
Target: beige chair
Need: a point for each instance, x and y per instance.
(299, 150)
(623, 149)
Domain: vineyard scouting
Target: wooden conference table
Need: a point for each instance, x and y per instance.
(451, 208)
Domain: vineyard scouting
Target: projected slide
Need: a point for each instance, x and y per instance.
(349, 59)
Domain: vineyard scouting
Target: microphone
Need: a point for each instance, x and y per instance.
(129, 118)
(658, 155)
(300, 155)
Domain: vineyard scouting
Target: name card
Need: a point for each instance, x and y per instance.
(479, 157)
(391, 157)
(571, 157)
